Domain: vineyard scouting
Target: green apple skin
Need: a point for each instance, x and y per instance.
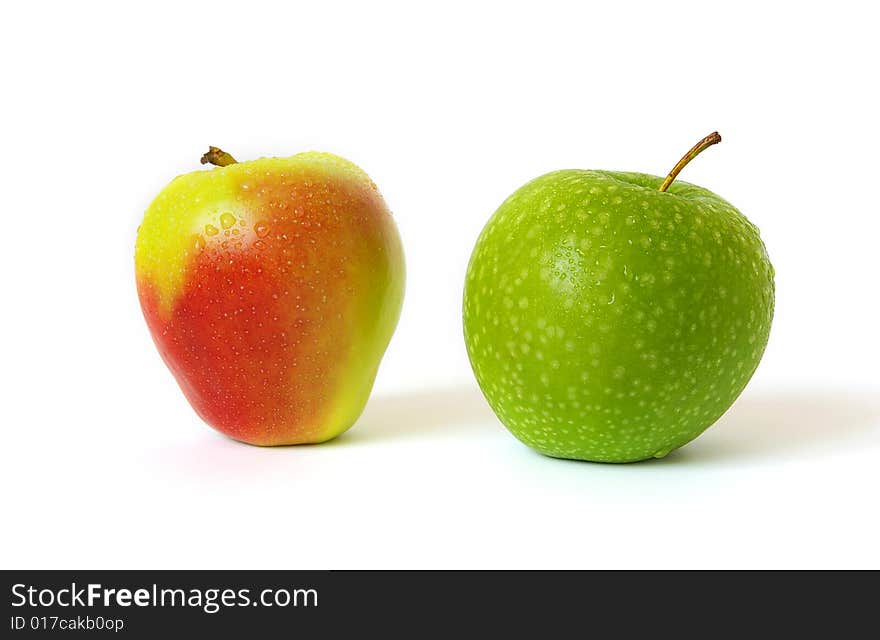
(608, 321)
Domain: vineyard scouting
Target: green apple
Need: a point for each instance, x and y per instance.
(614, 316)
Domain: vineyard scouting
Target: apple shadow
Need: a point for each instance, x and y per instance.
(451, 411)
(784, 425)
(761, 425)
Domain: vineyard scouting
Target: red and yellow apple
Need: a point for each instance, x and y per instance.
(271, 289)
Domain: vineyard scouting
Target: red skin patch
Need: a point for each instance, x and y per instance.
(260, 332)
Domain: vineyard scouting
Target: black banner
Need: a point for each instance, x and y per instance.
(269, 604)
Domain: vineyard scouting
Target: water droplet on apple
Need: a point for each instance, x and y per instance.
(611, 300)
(259, 244)
(211, 230)
(227, 220)
(261, 229)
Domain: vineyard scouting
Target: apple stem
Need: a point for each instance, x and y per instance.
(218, 157)
(697, 149)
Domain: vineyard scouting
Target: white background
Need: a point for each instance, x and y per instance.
(449, 108)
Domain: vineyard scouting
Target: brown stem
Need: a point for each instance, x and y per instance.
(218, 157)
(702, 145)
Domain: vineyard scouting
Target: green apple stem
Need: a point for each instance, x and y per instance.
(218, 157)
(702, 145)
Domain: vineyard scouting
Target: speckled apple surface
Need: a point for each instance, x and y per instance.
(272, 289)
(608, 321)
